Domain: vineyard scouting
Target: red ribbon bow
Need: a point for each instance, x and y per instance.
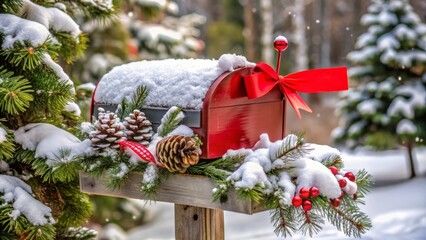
(264, 78)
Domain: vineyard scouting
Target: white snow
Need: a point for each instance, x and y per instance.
(73, 107)
(101, 4)
(18, 193)
(386, 18)
(412, 96)
(150, 174)
(51, 18)
(16, 30)
(365, 39)
(87, 86)
(387, 41)
(397, 211)
(152, 3)
(361, 55)
(48, 141)
(63, 77)
(3, 135)
(308, 169)
(172, 82)
(406, 126)
(368, 107)
(403, 32)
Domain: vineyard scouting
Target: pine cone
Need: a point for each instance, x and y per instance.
(108, 131)
(138, 128)
(177, 153)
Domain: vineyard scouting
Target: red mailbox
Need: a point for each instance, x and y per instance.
(226, 118)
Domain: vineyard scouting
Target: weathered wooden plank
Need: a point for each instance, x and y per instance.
(182, 189)
(194, 223)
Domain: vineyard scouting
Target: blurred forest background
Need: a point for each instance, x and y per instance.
(320, 34)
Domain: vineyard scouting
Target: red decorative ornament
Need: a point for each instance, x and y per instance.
(333, 170)
(140, 150)
(342, 183)
(297, 201)
(304, 192)
(335, 202)
(280, 43)
(307, 205)
(342, 194)
(355, 196)
(314, 191)
(350, 176)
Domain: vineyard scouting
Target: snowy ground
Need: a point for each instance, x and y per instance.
(398, 210)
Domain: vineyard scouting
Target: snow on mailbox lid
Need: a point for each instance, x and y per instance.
(210, 92)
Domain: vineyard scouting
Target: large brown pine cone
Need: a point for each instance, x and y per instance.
(177, 153)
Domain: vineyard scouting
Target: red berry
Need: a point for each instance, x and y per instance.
(314, 191)
(307, 205)
(335, 202)
(297, 201)
(342, 183)
(280, 43)
(355, 196)
(350, 176)
(333, 170)
(304, 192)
(342, 194)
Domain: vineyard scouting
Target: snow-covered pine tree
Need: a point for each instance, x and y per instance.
(387, 107)
(39, 191)
(159, 31)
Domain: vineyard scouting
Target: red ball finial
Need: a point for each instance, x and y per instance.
(280, 43)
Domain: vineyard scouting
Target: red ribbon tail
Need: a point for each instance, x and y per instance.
(296, 102)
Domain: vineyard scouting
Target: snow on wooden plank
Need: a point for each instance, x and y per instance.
(180, 189)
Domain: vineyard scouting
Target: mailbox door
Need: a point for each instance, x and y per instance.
(231, 121)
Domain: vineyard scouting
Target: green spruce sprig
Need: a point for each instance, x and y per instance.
(28, 57)
(80, 233)
(15, 92)
(136, 101)
(21, 226)
(7, 147)
(170, 121)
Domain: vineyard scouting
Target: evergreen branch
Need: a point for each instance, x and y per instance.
(80, 233)
(282, 218)
(291, 150)
(346, 218)
(136, 101)
(27, 57)
(22, 227)
(252, 194)
(312, 222)
(149, 190)
(10, 6)
(335, 161)
(7, 147)
(15, 93)
(170, 121)
(220, 192)
(77, 206)
(364, 181)
(71, 48)
(52, 96)
(96, 165)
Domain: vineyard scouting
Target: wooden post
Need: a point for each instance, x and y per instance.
(196, 223)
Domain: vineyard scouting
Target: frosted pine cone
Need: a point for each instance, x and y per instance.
(177, 153)
(108, 133)
(138, 128)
